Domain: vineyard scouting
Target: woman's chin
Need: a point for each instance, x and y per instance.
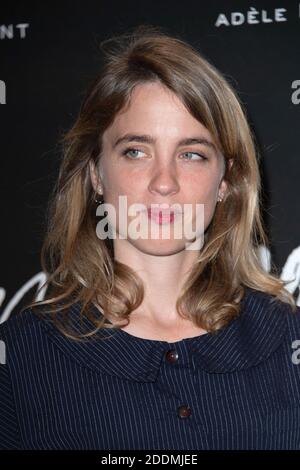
(161, 247)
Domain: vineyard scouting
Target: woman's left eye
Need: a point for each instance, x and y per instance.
(195, 153)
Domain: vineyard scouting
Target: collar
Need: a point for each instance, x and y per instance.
(248, 340)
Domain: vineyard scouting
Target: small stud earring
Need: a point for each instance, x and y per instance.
(98, 201)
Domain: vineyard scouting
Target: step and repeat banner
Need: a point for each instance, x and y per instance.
(48, 54)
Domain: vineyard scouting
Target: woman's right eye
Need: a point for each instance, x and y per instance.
(126, 153)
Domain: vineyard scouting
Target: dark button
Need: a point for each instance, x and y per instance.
(184, 411)
(172, 356)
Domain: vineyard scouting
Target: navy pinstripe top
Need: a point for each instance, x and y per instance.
(238, 389)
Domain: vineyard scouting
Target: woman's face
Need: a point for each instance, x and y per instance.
(160, 169)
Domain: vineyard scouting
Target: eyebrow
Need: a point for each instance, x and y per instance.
(148, 139)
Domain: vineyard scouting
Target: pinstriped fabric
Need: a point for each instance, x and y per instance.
(9, 422)
(121, 392)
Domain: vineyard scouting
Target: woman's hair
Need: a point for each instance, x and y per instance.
(80, 267)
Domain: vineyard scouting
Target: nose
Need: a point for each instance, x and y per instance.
(163, 180)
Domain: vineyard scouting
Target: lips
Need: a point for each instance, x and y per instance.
(162, 215)
(156, 212)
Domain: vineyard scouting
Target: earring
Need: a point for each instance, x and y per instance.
(98, 201)
(220, 199)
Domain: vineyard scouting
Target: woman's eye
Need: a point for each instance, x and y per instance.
(200, 157)
(133, 156)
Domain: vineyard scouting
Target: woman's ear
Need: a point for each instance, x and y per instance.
(223, 184)
(95, 178)
(222, 190)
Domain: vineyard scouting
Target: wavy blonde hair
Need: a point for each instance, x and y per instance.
(81, 268)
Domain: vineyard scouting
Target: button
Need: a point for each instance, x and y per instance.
(184, 411)
(171, 356)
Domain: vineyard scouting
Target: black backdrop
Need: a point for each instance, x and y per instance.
(49, 52)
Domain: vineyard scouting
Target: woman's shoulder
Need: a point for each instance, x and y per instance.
(293, 320)
(32, 327)
(19, 322)
(271, 322)
(267, 307)
(22, 331)
(36, 318)
(32, 336)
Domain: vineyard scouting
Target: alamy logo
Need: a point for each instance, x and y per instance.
(2, 352)
(296, 354)
(296, 94)
(2, 92)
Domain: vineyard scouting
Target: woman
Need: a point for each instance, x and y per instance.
(155, 343)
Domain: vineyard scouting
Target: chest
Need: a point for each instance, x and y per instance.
(159, 332)
(183, 409)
